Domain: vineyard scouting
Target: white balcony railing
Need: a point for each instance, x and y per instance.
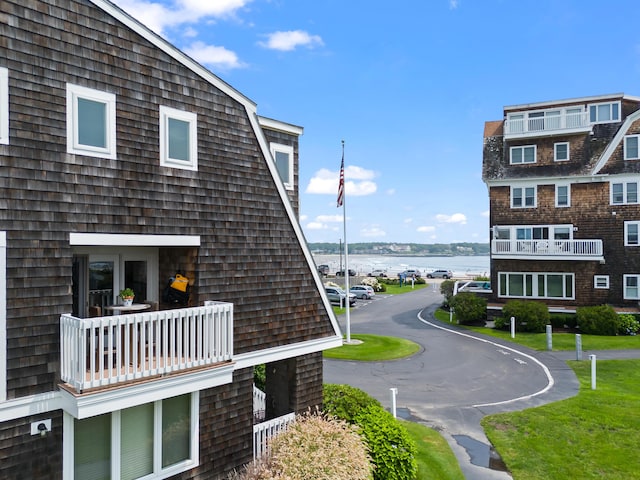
(263, 432)
(101, 351)
(527, 126)
(548, 248)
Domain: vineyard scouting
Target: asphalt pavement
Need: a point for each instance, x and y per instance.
(457, 377)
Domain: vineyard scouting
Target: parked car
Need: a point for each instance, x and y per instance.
(377, 273)
(440, 274)
(338, 295)
(362, 291)
(323, 270)
(410, 273)
(474, 286)
(340, 273)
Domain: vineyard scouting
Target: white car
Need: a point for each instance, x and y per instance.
(378, 273)
(362, 291)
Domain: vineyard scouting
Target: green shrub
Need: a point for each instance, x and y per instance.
(314, 447)
(563, 320)
(391, 448)
(598, 320)
(481, 278)
(469, 307)
(500, 323)
(530, 316)
(345, 401)
(628, 324)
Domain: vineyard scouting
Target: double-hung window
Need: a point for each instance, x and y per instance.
(623, 193)
(631, 151)
(153, 440)
(631, 287)
(632, 234)
(604, 112)
(523, 154)
(561, 151)
(283, 156)
(4, 106)
(523, 197)
(178, 139)
(91, 122)
(563, 196)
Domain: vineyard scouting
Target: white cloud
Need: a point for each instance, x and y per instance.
(316, 226)
(426, 229)
(408, 220)
(485, 213)
(329, 218)
(455, 218)
(303, 218)
(212, 55)
(391, 191)
(373, 231)
(453, 4)
(357, 182)
(158, 17)
(287, 41)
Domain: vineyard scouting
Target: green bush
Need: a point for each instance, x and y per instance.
(391, 448)
(345, 401)
(628, 324)
(530, 316)
(598, 320)
(563, 320)
(500, 323)
(469, 307)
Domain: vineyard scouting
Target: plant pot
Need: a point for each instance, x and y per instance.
(127, 302)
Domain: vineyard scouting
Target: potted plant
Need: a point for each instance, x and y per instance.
(127, 295)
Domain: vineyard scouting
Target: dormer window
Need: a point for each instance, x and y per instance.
(631, 147)
(604, 112)
(283, 157)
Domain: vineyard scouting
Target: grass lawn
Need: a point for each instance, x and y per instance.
(591, 436)
(560, 341)
(395, 289)
(373, 348)
(435, 458)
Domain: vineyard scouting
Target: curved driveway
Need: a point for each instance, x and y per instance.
(456, 379)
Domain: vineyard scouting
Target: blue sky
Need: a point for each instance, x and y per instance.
(407, 85)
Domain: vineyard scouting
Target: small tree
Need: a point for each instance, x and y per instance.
(530, 316)
(446, 289)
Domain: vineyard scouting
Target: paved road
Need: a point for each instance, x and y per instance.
(456, 379)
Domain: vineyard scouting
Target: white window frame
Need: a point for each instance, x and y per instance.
(637, 287)
(524, 189)
(4, 106)
(75, 92)
(532, 278)
(167, 113)
(555, 152)
(523, 148)
(161, 473)
(558, 187)
(626, 149)
(610, 104)
(288, 150)
(601, 282)
(627, 243)
(625, 193)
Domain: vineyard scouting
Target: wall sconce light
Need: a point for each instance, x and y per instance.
(41, 428)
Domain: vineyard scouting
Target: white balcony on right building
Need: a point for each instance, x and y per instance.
(543, 242)
(536, 123)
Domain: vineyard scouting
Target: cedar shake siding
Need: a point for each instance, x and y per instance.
(250, 251)
(556, 217)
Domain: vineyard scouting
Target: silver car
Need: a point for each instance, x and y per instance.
(338, 295)
(362, 291)
(440, 274)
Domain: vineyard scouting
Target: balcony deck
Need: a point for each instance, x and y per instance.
(556, 124)
(106, 351)
(548, 249)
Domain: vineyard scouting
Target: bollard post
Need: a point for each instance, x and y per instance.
(578, 347)
(513, 327)
(593, 371)
(450, 314)
(394, 392)
(549, 338)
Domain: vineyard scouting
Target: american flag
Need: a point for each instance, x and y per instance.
(341, 184)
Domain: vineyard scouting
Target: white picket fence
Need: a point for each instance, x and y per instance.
(263, 432)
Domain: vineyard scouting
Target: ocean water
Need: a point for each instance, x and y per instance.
(470, 266)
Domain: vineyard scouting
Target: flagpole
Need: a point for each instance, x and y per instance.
(346, 255)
